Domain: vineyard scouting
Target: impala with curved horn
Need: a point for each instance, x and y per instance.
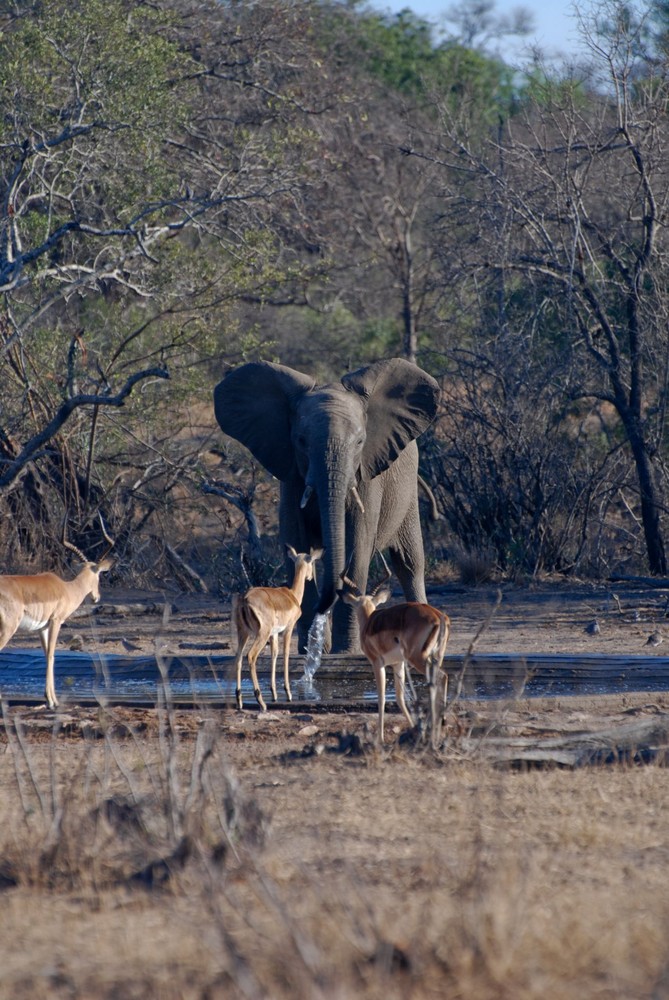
(411, 633)
(265, 613)
(43, 601)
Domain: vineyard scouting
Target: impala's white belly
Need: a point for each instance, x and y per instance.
(30, 624)
(392, 658)
(278, 630)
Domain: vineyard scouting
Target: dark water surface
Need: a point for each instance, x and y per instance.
(338, 680)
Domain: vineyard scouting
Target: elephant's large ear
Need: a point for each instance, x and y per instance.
(401, 402)
(253, 404)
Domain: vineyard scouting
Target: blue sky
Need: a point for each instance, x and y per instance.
(555, 25)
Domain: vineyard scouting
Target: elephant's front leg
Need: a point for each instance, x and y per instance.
(408, 557)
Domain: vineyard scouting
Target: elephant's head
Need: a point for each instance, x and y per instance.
(324, 441)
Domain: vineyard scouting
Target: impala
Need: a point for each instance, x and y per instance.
(263, 614)
(43, 601)
(411, 633)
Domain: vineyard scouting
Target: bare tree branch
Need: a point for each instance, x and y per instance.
(63, 413)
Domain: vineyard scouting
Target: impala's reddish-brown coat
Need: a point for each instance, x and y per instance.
(263, 614)
(411, 633)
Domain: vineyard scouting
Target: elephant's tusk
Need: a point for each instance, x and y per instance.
(306, 496)
(356, 497)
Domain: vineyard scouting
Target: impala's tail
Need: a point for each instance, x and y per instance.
(442, 639)
(434, 646)
(244, 619)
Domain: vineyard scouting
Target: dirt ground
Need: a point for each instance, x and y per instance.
(212, 853)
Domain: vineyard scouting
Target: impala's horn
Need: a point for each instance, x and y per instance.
(388, 573)
(69, 545)
(346, 580)
(349, 583)
(110, 541)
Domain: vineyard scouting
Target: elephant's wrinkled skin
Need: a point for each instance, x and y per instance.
(326, 444)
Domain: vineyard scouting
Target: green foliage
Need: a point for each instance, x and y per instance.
(401, 51)
(485, 86)
(380, 338)
(92, 66)
(547, 87)
(88, 104)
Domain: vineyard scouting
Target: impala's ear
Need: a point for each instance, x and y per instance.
(291, 552)
(254, 405)
(401, 401)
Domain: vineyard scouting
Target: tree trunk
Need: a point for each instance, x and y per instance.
(650, 513)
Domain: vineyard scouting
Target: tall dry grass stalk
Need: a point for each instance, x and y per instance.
(212, 865)
(119, 810)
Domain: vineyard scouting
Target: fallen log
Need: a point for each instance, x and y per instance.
(660, 582)
(640, 742)
(119, 610)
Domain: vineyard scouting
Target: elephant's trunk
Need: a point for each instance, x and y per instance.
(332, 511)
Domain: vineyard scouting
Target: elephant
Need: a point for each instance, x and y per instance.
(346, 457)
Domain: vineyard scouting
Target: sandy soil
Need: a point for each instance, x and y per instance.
(318, 866)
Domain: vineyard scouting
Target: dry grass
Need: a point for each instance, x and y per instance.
(244, 856)
(473, 566)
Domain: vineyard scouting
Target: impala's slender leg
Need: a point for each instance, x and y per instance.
(44, 642)
(380, 676)
(287, 639)
(399, 671)
(242, 644)
(274, 650)
(256, 649)
(48, 637)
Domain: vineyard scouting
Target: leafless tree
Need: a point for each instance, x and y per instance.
(564, 210)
